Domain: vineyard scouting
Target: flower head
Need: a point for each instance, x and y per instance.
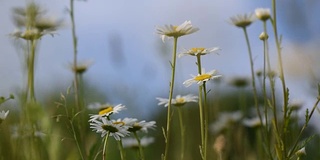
(263, 13)
(142, 126)
(199, 51)
(224, 120)
(178, 101)
(33, 23)
(3, 115)
(114, 128)
(200, 78)
(105, 110)
(242, 20)
(81, 66)
(133, 143)
(301, 152)
(176, 31)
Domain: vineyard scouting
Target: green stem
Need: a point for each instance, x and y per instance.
(31, 64)
(141, 155)
(75, 53)
(267, 70)
(122, 154)
(182, 130)
(202, 117)
(76, 139)
(173, 67)
(282, 78)
(104, 151)
(255, 95)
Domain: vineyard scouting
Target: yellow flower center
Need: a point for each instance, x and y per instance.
(180, 100)
(202, 77)
(195, 50)
(121, 123)
(175, 28)
(105, 110)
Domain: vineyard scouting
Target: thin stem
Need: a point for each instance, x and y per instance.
(122, 154)
(31, 70)
(141, 155)
(201, 110)
(282, 78)
(104, 151)
(173, 67)
(267, 70)
(76, 139)
(75, 53)
(182, 131)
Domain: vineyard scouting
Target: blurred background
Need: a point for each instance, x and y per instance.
(131, 63)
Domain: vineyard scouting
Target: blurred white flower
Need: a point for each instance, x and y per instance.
(176, 31)
(3, 115)
(263, 13)
(142, 126)
(224, 120)
(253, 122)
(199, 51)
(178, 101)
(200, 78)
(242, 20)
(301, 152)
(133, 143)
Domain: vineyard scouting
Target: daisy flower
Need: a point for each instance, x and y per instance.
(176, 31)
(142, 126)
(81, 66)
(199, 51)
(178, 101)
(3, 115)
(200, 78)
(263, 13)
(133, 143)
(115, 129)
(105, 110)
(242, 20)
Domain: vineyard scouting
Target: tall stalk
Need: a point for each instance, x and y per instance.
(202, 110)
(75, 53)
(255, 95)
(282, 143)
(173, 67)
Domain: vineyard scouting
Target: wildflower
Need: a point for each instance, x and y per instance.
(263, 13)
(133, 143)
(263, 36)
(115, 129)
(143, 126)
(176, 31)
(224, 120)
(129, 122)
(200, 78)
(242, 20)
(3, 115)
(81, 66)
(199, 51)
(35, 24)
(253, 122)
(105, 110)
(301, 152)
(178, 101)
(239, 82)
